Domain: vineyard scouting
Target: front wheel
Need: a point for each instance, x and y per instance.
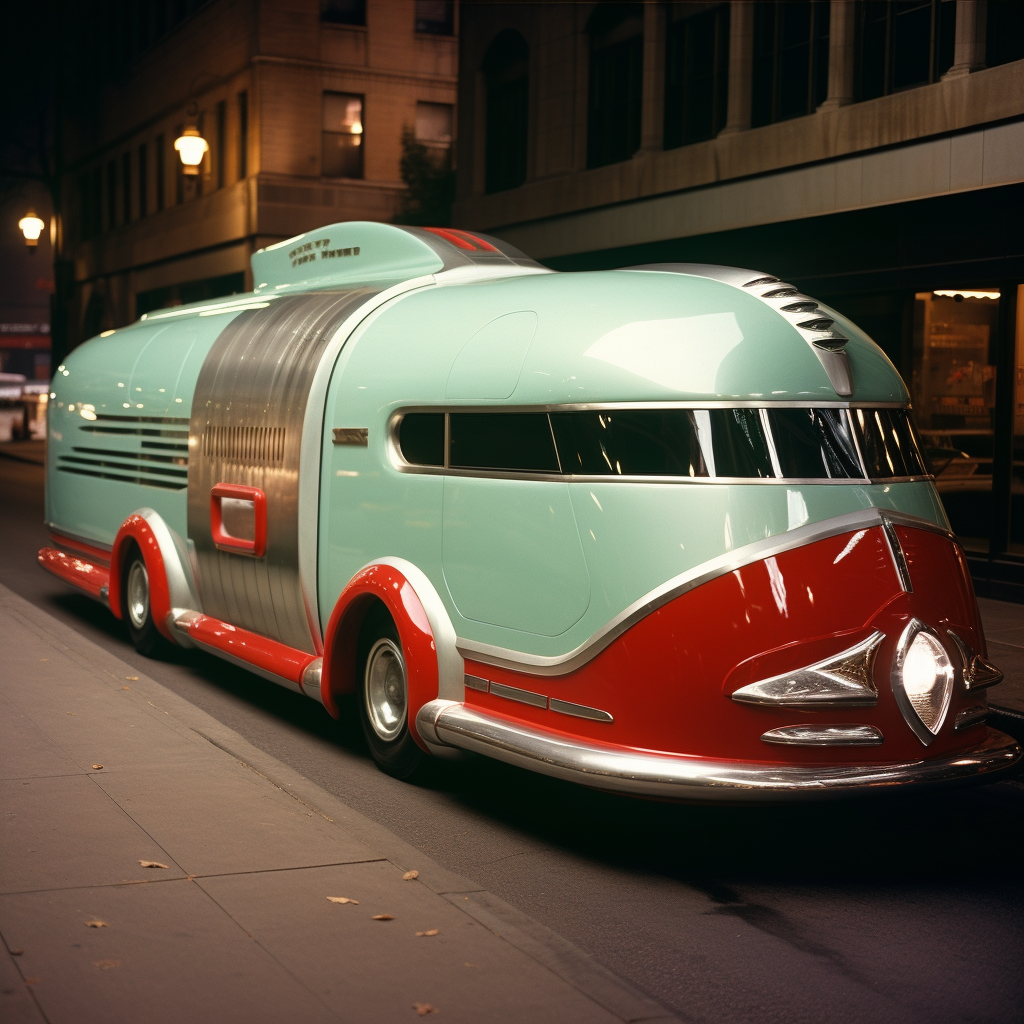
(384, 700)
(136, 609)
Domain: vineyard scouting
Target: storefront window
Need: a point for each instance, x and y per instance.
(1017, 470)
(953, 392)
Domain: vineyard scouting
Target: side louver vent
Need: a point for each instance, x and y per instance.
(244, 444)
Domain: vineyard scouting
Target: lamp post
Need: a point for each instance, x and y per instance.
(191, 147)
(31, 227)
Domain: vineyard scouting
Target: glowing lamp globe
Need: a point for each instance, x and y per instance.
(191, 147)
(31, 227)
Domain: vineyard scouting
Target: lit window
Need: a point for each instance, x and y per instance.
(342, 135)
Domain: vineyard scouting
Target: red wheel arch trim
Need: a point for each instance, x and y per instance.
(433, 667)
(136, 528)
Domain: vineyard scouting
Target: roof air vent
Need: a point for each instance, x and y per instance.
(761, 280)
(819, 323)
(803, 306)
(780, 293)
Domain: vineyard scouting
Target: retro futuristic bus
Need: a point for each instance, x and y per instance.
(665, 530)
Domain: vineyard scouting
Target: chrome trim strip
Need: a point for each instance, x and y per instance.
(824, 736)
(537, 700)
(561, 664)
(970, 717)
(899, 560)
(476, 683)
(680, 777)
(358, 437)
(451, 670)
(830, 683)
(566, 707)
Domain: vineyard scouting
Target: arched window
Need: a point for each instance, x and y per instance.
(616, 78)
(506, 72)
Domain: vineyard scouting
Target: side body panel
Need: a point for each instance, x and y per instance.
(246, 429)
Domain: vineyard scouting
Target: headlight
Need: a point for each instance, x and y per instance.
(922, 680)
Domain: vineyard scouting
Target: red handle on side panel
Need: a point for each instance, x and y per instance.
(258, 545)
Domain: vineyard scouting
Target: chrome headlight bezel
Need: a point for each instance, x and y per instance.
(943, 679)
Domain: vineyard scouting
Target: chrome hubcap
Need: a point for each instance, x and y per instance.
(385, 690)
(138, 595)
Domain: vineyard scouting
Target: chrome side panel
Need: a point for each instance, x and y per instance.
(246, 428)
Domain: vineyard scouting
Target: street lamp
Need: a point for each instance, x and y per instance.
(191, 147)
(31, 227)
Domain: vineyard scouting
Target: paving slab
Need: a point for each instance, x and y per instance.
(167, 953)
(237, 926)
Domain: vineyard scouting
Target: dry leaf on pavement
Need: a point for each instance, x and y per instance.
(96, 924)
(342, 899)
(410, 875)
(424, 1008)
(134, 679)
(17, 952)
(153, 864)
(106, 965)
(383, 917)
(97, 767)
(430, 931)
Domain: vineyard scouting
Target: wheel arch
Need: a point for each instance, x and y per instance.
(434, 668)
(170, 583)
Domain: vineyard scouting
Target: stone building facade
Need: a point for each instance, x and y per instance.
(302, 104)
(870, 152)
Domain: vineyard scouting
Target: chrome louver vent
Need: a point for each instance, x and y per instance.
(244, 444)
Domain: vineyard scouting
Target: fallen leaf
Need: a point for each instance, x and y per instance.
(342, 899)
(31, 981)
(410, 875)
(383, 917)
(153, 864)
(106, 965)
(71, 713)
(97, 766)
(466, 963)
(424, 1008)
(44, 659)
(96, 924)
(133, 679)
(125, 687)
(431, 931)
(17, 952)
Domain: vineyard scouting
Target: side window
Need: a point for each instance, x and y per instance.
(888, 443)
(421, 438)
(504, 441)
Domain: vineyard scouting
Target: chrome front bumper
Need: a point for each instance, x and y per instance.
(446, 724)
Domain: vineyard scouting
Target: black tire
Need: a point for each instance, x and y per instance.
(136, 609)
(383, 697)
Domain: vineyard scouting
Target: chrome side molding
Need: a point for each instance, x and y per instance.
(844, 680)
(824, 736)
(537, 700)
(970, 716)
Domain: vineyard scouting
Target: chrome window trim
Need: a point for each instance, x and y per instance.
(562, 664)
(899, 559)
(399, 462)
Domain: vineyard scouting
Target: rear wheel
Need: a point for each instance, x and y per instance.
(384, 698)
(136, 608)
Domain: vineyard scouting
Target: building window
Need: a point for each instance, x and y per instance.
(159, 163)
(126, 187)
(506, 73)
(616, 80)
(143, 180)
(243, 135)
(790, 73)
(1004, 32)
(218, 156)
(696, 75)
(434, 128)
(903, 45)
(343, 12)
(111, 195)
(435, 17)
(342, 135)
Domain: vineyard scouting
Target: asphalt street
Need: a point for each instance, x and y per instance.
(900, 909)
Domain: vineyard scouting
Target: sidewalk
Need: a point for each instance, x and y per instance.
(24, 451)
(103, 771)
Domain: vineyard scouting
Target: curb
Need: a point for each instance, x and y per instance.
(573, 966)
